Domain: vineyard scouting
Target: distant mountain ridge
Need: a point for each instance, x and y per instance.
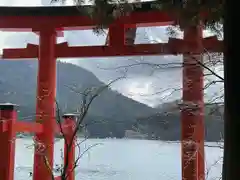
(166, 124)
(110, 115)
(18, 85)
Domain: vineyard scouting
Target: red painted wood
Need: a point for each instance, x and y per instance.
(60, 33)
(192, 119)
(45, 109)
(31, 51)
(152, 18)
(20, 126)
(59, 130)
(3, 126)
(29, 127)
(69, 146)
(116, 36)
(7, 139)
(210, 44)
(175, 46)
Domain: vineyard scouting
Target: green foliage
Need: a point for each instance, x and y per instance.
(186, 12)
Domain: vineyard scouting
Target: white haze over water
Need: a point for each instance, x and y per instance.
(143, 84)
(122, 159)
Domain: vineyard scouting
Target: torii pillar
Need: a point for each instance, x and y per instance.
(192, 114)
(45, 108)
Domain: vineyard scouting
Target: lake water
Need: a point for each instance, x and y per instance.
(121, 159)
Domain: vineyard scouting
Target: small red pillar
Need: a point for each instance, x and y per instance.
(192, 117)
(120, 35)
(8, 117)
(46, 107)
(116, 36)
(69, 145)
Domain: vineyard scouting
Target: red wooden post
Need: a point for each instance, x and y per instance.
(8, 116)
(45, 110)
(120, 35)
(130, 34)
(70, 144)
(116, 36)
(192, 113)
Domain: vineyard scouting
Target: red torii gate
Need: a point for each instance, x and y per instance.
(47, 21)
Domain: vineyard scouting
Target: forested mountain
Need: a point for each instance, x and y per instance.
(166, 124)
(110, 115)
(114, 112)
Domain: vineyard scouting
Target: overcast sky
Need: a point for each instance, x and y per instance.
(142, 82)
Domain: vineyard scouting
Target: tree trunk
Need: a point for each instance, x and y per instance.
(231, 160)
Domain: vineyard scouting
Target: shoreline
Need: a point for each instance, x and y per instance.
(137, 139)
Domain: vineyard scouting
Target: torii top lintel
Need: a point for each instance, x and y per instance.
(69, 17)
(17, 18)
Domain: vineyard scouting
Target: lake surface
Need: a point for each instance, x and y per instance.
(121, 159)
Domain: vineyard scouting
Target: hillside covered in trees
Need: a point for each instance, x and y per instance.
(111, 112)
(110, 115)
(166, 124)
